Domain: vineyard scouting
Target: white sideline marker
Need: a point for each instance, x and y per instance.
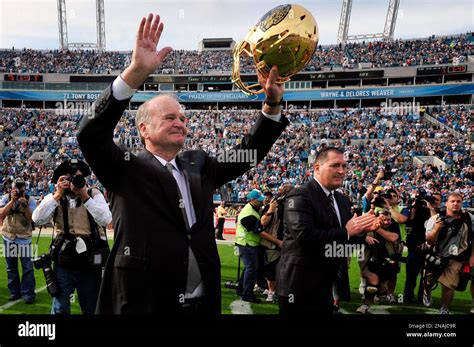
(13, 303)
(241, 307)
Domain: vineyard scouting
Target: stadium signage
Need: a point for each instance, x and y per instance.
(441, 70)
(319, 94)
(306, 76)
(80, 96)
(340, 75)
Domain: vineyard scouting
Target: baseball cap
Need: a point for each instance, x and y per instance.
(255, 194)
(70, 167)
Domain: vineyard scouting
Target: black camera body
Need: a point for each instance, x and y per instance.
(44, 262)
(78, 181)
(422, 198)
(379, 201)
(447, 220)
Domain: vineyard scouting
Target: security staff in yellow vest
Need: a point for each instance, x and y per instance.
(72, 195)
(248, 241)
(15, 211)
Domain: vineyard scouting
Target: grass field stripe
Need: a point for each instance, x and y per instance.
(241, 307)
(13, 303)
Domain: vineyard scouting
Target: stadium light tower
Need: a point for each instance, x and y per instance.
(100, 22)
(390, 20)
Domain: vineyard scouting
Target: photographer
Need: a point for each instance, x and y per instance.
(15, 211)
(272, 237)
(399, 216)
(79, 250)
(380, 264)
(450, 234)
(424, 207)
(221, 213)
(367, 198)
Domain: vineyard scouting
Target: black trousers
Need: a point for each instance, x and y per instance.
(220, 227)
(415, 263)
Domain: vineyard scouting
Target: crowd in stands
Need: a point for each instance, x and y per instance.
(433, 50)
(371, 138)
(459, 119)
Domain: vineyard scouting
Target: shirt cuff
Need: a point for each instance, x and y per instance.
(273, 117)
(121, 90)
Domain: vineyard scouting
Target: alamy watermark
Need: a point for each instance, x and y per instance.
(28, 329)
(237, 156)
(15, 250)
(75, 108)
(401, 108)
(341, 250)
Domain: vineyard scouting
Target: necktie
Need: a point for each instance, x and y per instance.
(169, 166)
(332, 202)
(194, 274)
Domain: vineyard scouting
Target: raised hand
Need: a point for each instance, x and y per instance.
(145, 58)
(273, 91)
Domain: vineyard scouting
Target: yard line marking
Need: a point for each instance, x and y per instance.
(241, 307)
(13, 303)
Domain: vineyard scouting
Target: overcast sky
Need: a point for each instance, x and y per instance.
(34, 23)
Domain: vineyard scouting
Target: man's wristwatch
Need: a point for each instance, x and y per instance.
(272, 103)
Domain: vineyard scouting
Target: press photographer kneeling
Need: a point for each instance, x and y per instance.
(450, 235)
(80, 248)
(381, 258)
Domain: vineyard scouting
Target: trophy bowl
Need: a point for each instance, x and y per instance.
(286, 36)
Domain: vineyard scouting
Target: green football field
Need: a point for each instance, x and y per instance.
(461, 303)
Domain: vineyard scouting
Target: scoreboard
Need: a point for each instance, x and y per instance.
(441, 70)
(22, 77)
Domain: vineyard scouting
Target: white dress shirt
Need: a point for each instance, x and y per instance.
(97, 207)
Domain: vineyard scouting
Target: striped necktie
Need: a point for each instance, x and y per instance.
(332, 202)
(194, 274)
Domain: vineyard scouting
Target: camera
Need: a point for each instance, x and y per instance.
(19, 184)
(387, 173)
(379, 201)
(44, 262)
(422, 198)
(447, 220)
(78, 180)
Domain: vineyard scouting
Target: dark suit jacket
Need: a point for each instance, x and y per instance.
(147, 269)
(305, 274)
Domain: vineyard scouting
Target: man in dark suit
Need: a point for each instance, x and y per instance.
(164, 258)
(317, 220)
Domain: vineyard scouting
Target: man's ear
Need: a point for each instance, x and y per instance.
(143, 130)
(316, 167)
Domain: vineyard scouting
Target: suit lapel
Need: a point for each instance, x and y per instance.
(166, 181)
(323, 200)
(193, 176)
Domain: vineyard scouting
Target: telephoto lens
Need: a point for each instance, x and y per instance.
(44, 262)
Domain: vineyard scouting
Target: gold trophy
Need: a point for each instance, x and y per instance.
(285, 36)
